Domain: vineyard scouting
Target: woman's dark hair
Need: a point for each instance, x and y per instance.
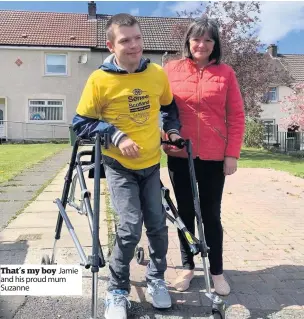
(197, 29)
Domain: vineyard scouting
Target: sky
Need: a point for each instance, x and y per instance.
(282, 22)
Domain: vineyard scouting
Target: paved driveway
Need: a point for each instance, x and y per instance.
(263, 252)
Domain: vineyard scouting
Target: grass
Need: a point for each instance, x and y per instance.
(16, 158)
(260, 158)
(163, 160)
(36, 194)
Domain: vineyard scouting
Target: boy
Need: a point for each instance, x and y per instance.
(124, 98)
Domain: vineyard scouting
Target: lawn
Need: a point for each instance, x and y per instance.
(16, 158)
(163, 160)
(251, 157)
(259, 158)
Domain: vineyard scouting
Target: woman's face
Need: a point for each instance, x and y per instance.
(201, 47)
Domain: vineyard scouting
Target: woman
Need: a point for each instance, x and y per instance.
(212, 117)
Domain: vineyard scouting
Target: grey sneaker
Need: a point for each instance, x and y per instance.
(159, 293)
(116, 304)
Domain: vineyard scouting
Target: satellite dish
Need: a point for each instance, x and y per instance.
(83, 58)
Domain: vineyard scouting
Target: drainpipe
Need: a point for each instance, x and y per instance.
(163, 57)
(5, 118)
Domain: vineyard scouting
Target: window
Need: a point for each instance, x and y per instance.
(269, 129)
(56, 64)
(45, 110)
(272, 94)
(1, 117)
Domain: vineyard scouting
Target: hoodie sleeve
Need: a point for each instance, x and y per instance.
(86, 127)
(170, 118)
(88, 119)
(169, 110)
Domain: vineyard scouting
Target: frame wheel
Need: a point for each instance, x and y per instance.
(45, 260)
(140, 255)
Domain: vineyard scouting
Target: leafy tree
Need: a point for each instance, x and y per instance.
(293, 106)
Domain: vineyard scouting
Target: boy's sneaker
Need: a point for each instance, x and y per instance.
(159, 293)
(116, 304)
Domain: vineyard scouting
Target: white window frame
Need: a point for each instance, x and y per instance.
(45, 105)
(272, 134)
(51, 73)
(273, 89)
(2, 120)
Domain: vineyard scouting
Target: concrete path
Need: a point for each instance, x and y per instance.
(263, 253)
(16, 193)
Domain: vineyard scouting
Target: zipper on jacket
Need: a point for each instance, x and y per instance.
(198, 113)
(199, 103)
(200, 76)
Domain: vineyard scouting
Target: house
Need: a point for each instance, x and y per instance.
(40, 54)
(46, 58)
(272, 114)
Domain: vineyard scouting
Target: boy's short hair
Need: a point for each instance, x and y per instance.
(120, 19)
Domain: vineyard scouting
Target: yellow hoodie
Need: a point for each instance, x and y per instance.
(131, 102)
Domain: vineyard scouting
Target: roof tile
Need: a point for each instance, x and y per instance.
(76, 30)
(159, 33)
(47, 29)
(294, 64)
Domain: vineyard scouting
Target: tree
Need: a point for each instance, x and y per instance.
(242, 50)
(293, 105)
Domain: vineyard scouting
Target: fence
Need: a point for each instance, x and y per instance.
(21, 131)
(285, 141)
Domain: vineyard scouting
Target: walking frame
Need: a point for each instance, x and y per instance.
(96, 260)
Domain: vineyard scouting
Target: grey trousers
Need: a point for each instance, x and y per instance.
(136, 198)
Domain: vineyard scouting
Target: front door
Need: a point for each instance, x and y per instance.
(2, 130)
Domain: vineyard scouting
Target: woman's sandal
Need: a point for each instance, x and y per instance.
(182, 282)
(221, 285)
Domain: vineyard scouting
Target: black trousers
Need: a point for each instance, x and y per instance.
(210, 178)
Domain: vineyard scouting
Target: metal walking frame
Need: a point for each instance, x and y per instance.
(196, 245)
(96, 171)
(96, 260)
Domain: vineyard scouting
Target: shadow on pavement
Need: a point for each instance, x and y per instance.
(271, 293)
(12, 253)
(274, 292)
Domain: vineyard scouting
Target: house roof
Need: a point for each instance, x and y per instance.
(76, 30)
(159, 34)
(26, 28)
(47, 29)
(294, 63)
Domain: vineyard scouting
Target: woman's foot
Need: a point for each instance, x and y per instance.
(182, 282)
(221, 286)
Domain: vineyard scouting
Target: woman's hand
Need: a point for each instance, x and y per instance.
(230, 165)
(173, 138)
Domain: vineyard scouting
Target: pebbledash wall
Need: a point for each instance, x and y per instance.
(26, 86)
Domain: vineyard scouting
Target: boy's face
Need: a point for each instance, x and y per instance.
(127, 44)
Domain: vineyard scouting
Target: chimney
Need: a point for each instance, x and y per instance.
(92, 10)
(273, 50)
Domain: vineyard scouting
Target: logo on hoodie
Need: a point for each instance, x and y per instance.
(139, 104)
(137, 91)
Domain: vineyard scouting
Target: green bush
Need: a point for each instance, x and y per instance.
(253, 133)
